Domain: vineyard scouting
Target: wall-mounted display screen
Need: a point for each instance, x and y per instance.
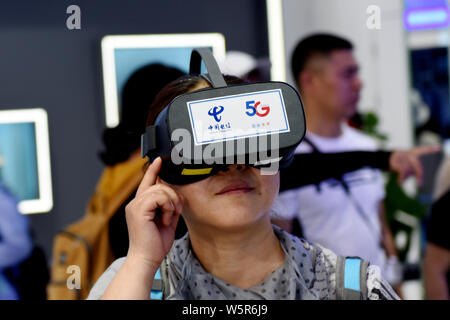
(25, 158)
(124, 54)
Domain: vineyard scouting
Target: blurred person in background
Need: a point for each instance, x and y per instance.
(103, 227)
(346, 213)
(436, 265)
(15, 240)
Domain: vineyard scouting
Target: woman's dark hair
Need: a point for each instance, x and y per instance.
(137, 95)
(178, 87)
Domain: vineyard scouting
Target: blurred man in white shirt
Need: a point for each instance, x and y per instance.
(345, 214)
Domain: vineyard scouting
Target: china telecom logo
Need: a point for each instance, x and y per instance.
(215, 111)
(252, 108)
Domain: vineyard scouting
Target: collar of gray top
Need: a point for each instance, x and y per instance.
(300, 277)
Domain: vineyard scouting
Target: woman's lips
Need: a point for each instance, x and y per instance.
(236, 188)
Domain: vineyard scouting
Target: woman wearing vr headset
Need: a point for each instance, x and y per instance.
(231, 250)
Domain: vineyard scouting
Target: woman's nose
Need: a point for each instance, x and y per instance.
(234, 167)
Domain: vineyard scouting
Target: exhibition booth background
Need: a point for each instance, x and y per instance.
(45, 65)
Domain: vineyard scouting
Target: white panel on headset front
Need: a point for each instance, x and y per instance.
(238, 116)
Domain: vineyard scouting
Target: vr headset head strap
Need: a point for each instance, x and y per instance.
(148, 141)
(213, 75)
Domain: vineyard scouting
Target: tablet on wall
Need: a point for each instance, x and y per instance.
(124, 54)
(25, 158)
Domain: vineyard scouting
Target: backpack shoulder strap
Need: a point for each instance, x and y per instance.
(351, 275)
(157, 287)
(161, 285)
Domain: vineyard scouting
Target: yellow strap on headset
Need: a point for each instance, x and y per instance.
(195, 172)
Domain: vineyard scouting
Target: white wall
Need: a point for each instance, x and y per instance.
(382, 54)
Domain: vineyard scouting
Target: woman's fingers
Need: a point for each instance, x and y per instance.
(152, 216)
(172, 195)
(160, 198)
(150, 176)
(147, 206)
(151, 179)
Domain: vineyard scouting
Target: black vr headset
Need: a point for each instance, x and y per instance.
(203, 132)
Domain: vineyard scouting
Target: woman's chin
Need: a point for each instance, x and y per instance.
(236, 218)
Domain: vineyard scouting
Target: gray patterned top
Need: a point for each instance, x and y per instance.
(307, 274)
